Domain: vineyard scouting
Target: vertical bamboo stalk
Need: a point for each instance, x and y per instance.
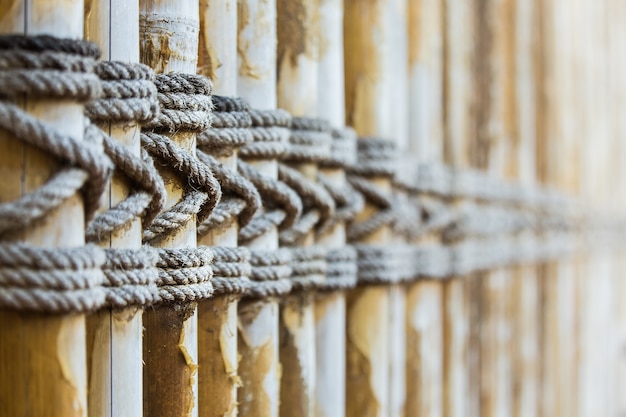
(217, 372)
(367, 35)
(560, 155)
(424, 368)
(259, 368)
(526, 282)
(330, 308)
(115, 336)
(42, 357)
(169, 42)
(495, 136)
(399, 65)
(596, 99)
(297, 91)
(460, 358)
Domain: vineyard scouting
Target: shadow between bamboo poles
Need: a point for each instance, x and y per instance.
(42, 357)
(424, 316)
(461, 360)
(114, 337)
(297, 92)
(169, 42)
(368, 110)
(217, 317)
(330, 307)
(259, 367)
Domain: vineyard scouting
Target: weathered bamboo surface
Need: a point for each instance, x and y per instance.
(524, 92)
(43, 357)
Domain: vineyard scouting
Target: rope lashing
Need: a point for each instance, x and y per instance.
(318, 205)
(308, 266)
(51, 280)
(341, 269)
(130, 277)
(57, 280)
(185, 274)
(230, 130)
(185, 106)
(231, 270)
(271, 270)
(129, 95)
(375, 159)
(270, 134)
(282, 205)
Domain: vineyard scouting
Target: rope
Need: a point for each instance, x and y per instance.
(230, 130)
(231, 270)
(184, 274)
(129, 95)
(271, 270)
(51, 280)
(341, 269)
(308, 266)
(318, 205)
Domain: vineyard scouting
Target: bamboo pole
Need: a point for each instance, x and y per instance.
(330, 308)
(461, 360)
(297, 92)
(169, 42)
(42, 357)
(424, 369)
(368, 109)
(596, 99)
(496, 135)
(560, 157)
(114, 337)
(218, 361)
(398, 56)
(259, 368)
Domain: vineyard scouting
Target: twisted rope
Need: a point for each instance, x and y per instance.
(184, 274)
(270, 134)
(231, 270)
(271, 270)
(308, 266)
(130, 277)
(282, 204)
(51, 280)
(319, 206)
(230, 130)
(129, 95)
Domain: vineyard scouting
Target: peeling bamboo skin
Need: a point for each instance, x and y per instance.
(169, 42)
(217, 351)
(367, 352)
(424, 333)
(259, 368)
(42, 358)
(297, 355)
(169, 385)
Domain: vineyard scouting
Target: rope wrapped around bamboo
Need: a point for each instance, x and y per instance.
(129, 94)
(282, 207)
(61, 279)
(185, 105)
(341, 263)
(230, 130)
